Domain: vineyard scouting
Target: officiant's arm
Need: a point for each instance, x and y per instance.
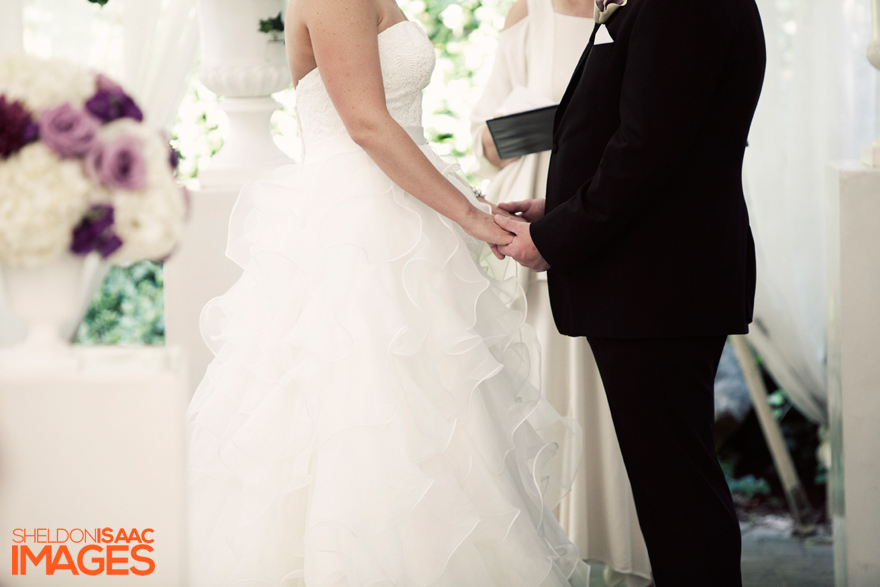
(508, 70)
(673, 64)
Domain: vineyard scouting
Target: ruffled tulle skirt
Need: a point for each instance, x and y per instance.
(372, 416)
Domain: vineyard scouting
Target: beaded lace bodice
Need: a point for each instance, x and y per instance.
(407, 59)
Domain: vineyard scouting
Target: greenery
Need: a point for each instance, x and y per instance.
(129, 308)
(99, 2)
(748, 486)
(274, 24)
(748, 465)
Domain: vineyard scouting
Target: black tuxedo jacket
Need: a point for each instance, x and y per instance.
(646, 229)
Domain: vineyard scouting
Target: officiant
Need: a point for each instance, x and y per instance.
(538, 50)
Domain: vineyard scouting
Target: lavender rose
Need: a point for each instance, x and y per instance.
(118, 164)
(95, 232)
(17, 128)
(68, 132)
(110, 102)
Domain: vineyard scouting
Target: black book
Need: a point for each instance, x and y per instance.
(524, 132)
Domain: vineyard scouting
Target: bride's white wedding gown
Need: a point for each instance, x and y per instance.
(371, 417)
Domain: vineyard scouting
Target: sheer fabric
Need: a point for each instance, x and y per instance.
(818, 105)
(148, 45)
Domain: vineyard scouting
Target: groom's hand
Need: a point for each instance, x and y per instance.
(529, 210)
(522, 249)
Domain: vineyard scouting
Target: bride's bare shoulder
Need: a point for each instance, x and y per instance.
(518, 11)
(336, 12)
(326, 23)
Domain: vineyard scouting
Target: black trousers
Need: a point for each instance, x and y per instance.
(661, 396)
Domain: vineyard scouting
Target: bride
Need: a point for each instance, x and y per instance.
(371, 417)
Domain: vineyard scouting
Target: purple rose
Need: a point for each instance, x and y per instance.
(110, 102)
(17, 127)
(69, 132)
(118, 164)
(95, 233)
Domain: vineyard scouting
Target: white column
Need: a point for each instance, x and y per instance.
(11, 41)
(854, 371)
(871, 153)
(198, 272)
(245, 67)
(11, 26)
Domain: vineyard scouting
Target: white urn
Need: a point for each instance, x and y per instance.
(50, 301)
(244, 66)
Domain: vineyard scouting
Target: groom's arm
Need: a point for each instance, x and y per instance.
(675, 55)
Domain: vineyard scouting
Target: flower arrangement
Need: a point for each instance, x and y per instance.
(79, 171)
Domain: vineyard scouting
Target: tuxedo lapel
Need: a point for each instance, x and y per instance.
(575, 78)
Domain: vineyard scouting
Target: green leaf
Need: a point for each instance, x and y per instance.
(269, 25)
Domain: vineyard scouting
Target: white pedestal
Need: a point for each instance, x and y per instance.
(197, 273)
(250, 151)
(854, 371)
(98, 447)
(12, 330)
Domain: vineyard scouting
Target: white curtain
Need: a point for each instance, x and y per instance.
(150, 46)
(819, 104)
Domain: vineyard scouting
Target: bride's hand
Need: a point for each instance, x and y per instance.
(498, 210)
(482, 227)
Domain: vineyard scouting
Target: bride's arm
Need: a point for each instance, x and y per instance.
(344, 39)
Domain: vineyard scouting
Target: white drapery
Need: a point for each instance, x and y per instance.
(150, 46)
(819, 104)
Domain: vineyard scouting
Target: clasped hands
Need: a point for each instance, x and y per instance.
(516, 218)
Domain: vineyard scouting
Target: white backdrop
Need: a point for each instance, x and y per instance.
(819, 104)
(150, 46)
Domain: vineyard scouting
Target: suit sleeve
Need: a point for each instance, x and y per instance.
(675, 55)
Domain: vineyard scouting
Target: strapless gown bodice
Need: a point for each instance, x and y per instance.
(407, 59)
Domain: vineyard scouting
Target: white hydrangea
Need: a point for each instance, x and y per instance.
(42, 198)
(150, 223)
(42, 84)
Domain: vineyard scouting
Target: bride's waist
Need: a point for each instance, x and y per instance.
(330, 146)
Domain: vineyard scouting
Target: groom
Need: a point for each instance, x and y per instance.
(646, 237)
